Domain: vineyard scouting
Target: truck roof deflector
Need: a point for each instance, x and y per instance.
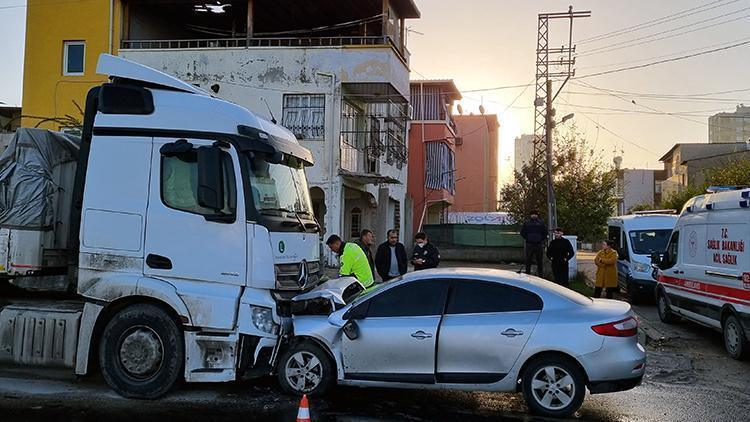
(115, 66)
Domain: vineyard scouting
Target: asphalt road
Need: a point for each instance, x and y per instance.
(688, 378)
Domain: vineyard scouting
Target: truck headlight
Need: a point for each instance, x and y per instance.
(263, 319)
(640, 267)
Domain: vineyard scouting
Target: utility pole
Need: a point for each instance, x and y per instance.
(544, 111)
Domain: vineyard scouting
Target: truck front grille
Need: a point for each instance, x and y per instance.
(287, 276)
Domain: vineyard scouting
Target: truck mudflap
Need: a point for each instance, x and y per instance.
(327, 297)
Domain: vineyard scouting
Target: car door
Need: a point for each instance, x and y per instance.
(397, 335)
(485, 327)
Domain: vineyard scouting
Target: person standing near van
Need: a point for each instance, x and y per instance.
(560, 251)
(534, 232)
(606, 270)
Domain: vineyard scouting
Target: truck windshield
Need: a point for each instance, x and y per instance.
(278, 187)
(646, 242)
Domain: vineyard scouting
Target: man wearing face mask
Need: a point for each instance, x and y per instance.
(425, 255)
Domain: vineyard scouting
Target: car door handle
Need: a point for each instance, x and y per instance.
(421, 335)
(510, 332)
(158, 262)
(678, 272)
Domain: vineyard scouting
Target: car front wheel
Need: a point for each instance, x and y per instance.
(662, 306)
(305, 368)
(553, 387)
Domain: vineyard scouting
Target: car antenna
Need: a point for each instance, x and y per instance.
(273, 119)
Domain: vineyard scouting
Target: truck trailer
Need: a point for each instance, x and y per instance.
(164, 244)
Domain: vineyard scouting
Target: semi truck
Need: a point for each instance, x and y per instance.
(162, 245)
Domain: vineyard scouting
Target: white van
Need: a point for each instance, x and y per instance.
(704, 274)
(637, 236)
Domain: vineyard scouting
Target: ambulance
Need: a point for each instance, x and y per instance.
(704, 274)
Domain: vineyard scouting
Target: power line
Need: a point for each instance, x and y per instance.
(599, 125)
(623, 69)
(650, 94)
(633, 43)
(658, 21)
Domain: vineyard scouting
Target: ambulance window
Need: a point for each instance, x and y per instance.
(672, 248)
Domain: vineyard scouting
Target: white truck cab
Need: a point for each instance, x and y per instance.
(190, 228)
(704, 274)
(637, 236)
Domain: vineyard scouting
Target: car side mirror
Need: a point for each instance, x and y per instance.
(351, 330)
(210, 186)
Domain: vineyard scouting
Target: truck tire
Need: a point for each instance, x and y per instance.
(734, 338)
(142, 352)
(305, 368)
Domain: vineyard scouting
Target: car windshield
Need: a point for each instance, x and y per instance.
(645, 242)
(278, 186)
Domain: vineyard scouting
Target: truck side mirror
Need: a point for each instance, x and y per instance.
(210, 186)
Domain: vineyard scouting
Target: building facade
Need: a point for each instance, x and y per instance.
(63, 43)
(432, 136)
(638, 187)
(477, 163)
(334, 72)
(678, 175)
(523, 151)
(730, 127)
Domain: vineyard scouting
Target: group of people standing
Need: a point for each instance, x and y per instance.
(560, 252)
(390, 259)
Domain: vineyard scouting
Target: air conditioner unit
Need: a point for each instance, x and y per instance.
(459, 140)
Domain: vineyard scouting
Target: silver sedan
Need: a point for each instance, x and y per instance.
(472, 330)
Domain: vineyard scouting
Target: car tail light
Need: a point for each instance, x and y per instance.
(627, 327)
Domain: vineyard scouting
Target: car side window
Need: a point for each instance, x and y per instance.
(474, 296)
(417, 298)
(672, 249)
(179, 183)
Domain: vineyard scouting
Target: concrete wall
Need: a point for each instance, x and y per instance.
(477, 164)
(639, 187)
(253, 77)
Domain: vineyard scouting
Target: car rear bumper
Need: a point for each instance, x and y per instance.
(611, 386)
(620, 358)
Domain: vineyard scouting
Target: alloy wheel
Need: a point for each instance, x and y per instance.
(553, 387)
(303, 371)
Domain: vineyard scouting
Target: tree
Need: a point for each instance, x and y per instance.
(583, 188)
(640, 207)
(734, 172)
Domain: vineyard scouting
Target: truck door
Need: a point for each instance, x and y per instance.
(184, 240)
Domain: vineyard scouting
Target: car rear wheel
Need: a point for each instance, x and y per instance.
(553, 386)
(734, 338)
(662, 306)
(305, 368)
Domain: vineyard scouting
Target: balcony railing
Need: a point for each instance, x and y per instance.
(264, 42)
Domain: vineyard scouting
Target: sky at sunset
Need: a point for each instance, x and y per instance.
(482, 44)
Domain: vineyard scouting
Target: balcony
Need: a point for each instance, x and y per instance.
(175, 24)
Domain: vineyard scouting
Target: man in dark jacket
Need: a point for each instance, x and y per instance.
(560, 251)
(425, 255)
(390, 258)
(534, 232)
(366, 240)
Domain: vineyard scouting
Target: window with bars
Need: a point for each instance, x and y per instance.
(304, 115)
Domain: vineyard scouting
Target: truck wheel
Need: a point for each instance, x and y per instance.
(553, 387)
(662, 306)
(142, 352)
(305, 368)
(734, 338)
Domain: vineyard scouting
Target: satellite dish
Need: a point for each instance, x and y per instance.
(460, 109)
(618, 161)
(481, 109)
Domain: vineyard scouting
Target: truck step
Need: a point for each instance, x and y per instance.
(40, 334)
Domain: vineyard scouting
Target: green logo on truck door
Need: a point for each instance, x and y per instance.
(282, 247)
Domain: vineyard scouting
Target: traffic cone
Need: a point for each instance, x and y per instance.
(303, 415)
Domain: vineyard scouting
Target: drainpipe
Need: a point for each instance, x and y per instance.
(111, 23)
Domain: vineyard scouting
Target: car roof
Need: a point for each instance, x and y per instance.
(649, 221)
(534, 284)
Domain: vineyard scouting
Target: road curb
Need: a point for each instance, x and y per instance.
(647, 333)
